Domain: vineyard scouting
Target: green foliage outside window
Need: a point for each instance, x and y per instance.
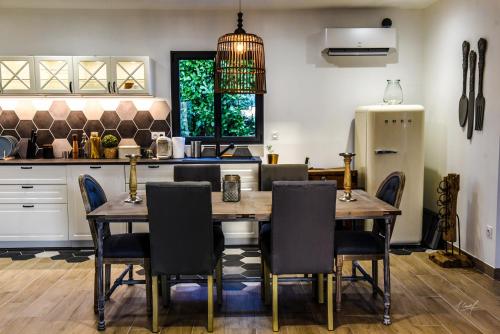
(196, 84)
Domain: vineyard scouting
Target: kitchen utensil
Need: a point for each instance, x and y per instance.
(163, 147)
(178, 147)
(195, 149)
(480, 100)
(463, 105)
(472, 94)
(8, 146)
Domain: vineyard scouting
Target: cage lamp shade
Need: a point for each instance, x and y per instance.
(240, 63)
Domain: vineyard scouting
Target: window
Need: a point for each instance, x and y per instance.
(200, 114)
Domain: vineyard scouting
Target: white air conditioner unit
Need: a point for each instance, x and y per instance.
(359, 41)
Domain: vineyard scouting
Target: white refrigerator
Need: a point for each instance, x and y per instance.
(390, 138)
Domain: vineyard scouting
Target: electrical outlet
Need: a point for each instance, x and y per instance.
(489, 232)
(155, 135)
(275, 135)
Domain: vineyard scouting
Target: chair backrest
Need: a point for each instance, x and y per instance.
(284, 172)
(390, 191)
(180, 227)
(93, 196)
(210, 173)
(302, 226)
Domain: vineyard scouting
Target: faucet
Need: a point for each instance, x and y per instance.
(218, 151)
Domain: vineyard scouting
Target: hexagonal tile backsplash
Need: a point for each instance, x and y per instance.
(57, 123)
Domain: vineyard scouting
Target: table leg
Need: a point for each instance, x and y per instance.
(131, 271)
(387, 273)
(100, 291)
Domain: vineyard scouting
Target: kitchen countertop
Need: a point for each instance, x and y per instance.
(17, 162)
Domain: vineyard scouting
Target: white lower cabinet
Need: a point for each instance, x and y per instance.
(112, 180)
(33, 222)
(244, 232)
(33, 203)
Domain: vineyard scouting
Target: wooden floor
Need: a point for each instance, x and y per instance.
(48, 296)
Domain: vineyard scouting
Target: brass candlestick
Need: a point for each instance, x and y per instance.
(347, 197)
(133, 198)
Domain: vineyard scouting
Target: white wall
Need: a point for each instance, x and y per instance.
(309, 102)
(448, 23)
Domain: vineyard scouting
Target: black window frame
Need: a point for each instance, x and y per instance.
(175, 57)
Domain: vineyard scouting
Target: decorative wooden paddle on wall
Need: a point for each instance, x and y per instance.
(462, 109)
(472, 94)
(480, 100)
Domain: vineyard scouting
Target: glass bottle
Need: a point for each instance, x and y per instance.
(95, 145)
(75, 146)
(393, 92)
(84, 146)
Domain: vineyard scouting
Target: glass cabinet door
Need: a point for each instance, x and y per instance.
(92, 75)
(17, 75)
(54, 74)
(131, 75)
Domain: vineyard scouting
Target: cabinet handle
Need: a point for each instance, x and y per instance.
(109, 87)
(28, 206)
(153, 166)
(95, 167)
(71, 87)
(26, 167)
(114, 86)
(26, 187)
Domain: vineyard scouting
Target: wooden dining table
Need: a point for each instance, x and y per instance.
(254, 205)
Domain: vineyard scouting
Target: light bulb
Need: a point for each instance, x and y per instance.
(240, 47)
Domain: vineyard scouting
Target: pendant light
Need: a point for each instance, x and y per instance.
(240, 63)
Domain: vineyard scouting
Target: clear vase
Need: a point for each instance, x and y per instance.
(393, 92)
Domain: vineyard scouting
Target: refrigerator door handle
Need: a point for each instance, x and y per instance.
(385, 151)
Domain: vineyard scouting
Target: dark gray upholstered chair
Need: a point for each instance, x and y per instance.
(210, 173)
(368, 245)
(129, 248)
(183, 238)
(299, 238)
(283, 172)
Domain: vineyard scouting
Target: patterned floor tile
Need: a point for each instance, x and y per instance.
(232, 257)
(46, 254)
(251, 260)
(233, 251)
(251, 254)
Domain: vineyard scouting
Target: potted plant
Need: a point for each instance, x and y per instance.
(272, 158)
(110, 144)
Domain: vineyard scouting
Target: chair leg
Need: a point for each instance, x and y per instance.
(329, 300)
(321, 288)
(267, 285)
(96, 283)
(107, 279)
(275, 303)
(165, 290)
(338, 275)
(375, 276)
(147, 275)
(154, 288)
(218, 280)
(354, 269)
(210, 288)
(262, 275)
(131, 272)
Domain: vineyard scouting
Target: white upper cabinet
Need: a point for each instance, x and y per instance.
(54, 74)
(131, 75)
(17, 75)
(92, 75)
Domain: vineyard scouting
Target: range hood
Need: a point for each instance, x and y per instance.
(359, 41)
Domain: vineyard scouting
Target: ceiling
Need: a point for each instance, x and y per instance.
(211, 4)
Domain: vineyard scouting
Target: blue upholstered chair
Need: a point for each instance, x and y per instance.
(368, 245)
(129, 248)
